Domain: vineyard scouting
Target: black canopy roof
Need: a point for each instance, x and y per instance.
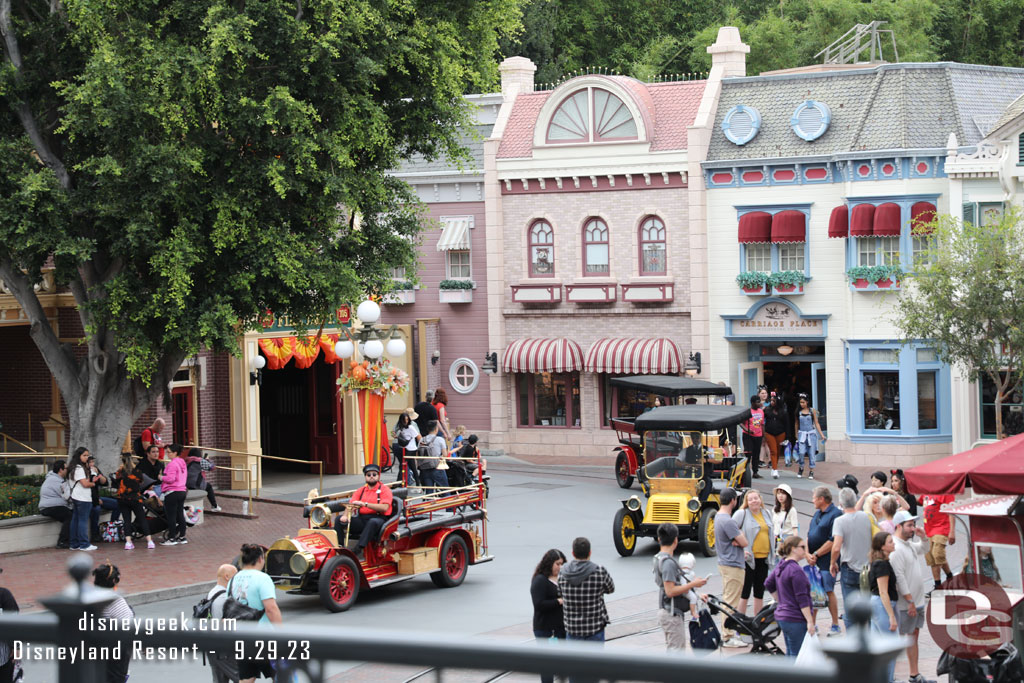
(671, 385)
(691, 418)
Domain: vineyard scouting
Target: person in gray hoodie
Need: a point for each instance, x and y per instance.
(583, 585)
(433, 446)
(55, 501)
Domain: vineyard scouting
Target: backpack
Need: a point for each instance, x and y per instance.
(234, 609)
(426, 461)
(677, 605)
(112, 532)
(204, 608)
(137, 448)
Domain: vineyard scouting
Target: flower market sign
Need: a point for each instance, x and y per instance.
(775, 318)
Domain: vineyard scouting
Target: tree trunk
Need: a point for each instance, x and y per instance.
(999, 415)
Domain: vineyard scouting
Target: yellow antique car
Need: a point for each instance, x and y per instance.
(684, 474)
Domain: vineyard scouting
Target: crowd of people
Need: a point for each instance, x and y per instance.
(147, 492)
(423, 437)
(782, 428)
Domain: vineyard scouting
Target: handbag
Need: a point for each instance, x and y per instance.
(704, 634)
(818, 597)
(233, 609)
(112, 532)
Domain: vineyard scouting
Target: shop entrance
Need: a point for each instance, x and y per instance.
(801, 370)
(300, 417)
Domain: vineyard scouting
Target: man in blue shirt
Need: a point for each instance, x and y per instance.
(819, 544)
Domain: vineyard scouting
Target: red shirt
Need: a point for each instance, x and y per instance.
(154, 439)
(377, 494)
(935, 522)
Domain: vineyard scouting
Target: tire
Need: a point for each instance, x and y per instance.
(339, 583)
(624, 532)
(622, 475)
(454, 560)
(706, 532)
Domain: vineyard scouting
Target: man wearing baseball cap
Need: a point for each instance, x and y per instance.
(906, 564)
(367, 510)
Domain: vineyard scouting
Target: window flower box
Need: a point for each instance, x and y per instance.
(537, 294)
(455, 291)
(787, 282)
(753, 282)
(400, 297)
(875, 278)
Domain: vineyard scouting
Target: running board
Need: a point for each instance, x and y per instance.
(485, 558)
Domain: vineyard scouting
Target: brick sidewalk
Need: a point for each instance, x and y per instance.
(184, 569)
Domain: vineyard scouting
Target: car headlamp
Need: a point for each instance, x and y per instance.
(633, 504)
(300, 563)
(320, 516)
(693, 505)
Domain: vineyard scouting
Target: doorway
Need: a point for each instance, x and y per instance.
(300, 417)
(793, 377)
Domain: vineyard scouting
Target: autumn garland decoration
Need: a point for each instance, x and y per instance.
(379, 378)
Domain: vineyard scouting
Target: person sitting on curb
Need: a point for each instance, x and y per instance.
(367, 510)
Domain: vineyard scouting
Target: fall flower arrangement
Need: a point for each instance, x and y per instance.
(379, 378)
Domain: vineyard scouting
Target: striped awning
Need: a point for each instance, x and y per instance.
(658, 356)
(454, 233)
(556, 354)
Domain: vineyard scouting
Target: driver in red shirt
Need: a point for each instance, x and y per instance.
(367, 510)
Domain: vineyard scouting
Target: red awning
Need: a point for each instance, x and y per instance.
(755, 226)
(543, 355)
(992, 469)
(839, 222)
(887, 220)
(789, 226)
(657, 356)
(921, 216)
(861, 220)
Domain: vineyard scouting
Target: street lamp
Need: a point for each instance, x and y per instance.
(256, 366)
(692, 368)
(370, 340)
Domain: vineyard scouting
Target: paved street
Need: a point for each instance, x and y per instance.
(532, 508)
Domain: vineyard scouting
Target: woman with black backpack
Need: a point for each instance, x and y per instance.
(406, 442)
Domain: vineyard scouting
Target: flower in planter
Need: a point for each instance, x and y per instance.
(455, 284)
(787, 280)
(752, 280)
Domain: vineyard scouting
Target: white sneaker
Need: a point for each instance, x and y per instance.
(775, 474)
(799, 475)
(128, 545)
(811, 475)
(734, 642)
(170, 541)
(216, 509)
(90, 548)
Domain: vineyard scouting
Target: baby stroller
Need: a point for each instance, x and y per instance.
(762, 627)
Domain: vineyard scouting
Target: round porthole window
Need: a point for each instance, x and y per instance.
(811, 119)
(463, 375)
(741, 124)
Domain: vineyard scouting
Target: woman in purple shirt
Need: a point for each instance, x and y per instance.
(792, 592)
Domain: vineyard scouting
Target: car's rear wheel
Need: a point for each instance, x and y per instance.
(624, 532)
(706, 532)
(622, 475)
(454, 559)
(339, 583)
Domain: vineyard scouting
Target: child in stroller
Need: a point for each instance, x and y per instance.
(761, 628)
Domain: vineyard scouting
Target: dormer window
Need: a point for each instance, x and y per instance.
(591, 115)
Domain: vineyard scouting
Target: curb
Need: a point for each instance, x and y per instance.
(158, 594)
(258, 499)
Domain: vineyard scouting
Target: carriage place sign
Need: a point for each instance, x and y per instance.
(774, 318)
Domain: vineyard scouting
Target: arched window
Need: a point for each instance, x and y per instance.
(652, 247)
(541, 250)
(595, 247)
(591, 114)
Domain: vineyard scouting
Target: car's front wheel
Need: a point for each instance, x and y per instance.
(339, 583)
(706, 532)
(624, 532)
(454, 560)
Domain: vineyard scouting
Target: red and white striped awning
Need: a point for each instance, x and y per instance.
(657, 356)
(556, 354)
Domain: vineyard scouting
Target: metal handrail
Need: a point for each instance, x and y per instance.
(248, 479)
(319, 463)
(38, 455)
(8, 437)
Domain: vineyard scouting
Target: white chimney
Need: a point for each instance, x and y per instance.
(729, 52)
(516, 77)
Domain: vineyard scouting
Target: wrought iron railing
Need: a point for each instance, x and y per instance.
(860, 657)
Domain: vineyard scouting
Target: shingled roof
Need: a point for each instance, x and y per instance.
(471, 138)
(670, 107)
(1015, 109)
(892, 106)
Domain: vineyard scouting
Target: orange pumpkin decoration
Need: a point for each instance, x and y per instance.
(359, 373)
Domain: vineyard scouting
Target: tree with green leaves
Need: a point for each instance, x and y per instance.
(967, 295)
(182, 167)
